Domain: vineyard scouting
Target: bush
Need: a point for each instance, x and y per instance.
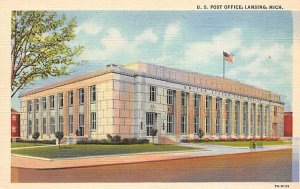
(143, 141)
(116, 139)
(125, 141)
(38, 141)
(133, 141)
(109, 138)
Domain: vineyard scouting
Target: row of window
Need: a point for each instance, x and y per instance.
(61, 124)
(170, 118)
(171, 99)
(61, 99)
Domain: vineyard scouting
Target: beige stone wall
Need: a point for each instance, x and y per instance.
(122, 102)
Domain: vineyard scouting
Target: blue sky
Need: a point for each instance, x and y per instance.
(190, 40)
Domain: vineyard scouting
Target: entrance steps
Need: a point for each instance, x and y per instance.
(165, 140)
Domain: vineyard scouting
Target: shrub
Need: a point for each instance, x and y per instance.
(116, 139)
(35, 136)
(143, 141)
(38, 141)
(59, 135)
(133, 141)
(109, 138)
(103, 141)
(125, 141)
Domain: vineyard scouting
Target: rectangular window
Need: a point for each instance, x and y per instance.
(252, 119)
(237, 117)
(44, 103)
(259, 119)
(207, 125)
(196, 124)
(227, 117)
(93, 121)
(29, 106)
(44, 126)
(36, 125)
(60, 100)
(29, 127)
(93, 93)
(245, 118)
(52, 104)
(170, 123)
(217, 125)
(81, 96)
(265, 120)
(170, 97)
(275, 110)
(208, 114)
(183, 99)
(61, 123)
(183, 124)
(196, 101)
(36, 105)
(150, 121)
(218, 114)
(70, 98)
(52, 125)
(152, 93)
(71, 124)
(81, 120)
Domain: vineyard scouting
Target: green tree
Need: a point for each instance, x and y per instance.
(39, 47)
(35, 136)
(59, 135)
(153, 133)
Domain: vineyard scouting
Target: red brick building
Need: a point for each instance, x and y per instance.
(288, 124)
(15, 124)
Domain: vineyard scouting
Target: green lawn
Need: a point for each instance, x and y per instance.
(23, 144)
(93, 150)
(246, 143)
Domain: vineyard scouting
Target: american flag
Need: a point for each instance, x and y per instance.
(228, 57)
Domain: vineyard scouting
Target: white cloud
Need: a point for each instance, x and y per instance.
(172, 31)
(147, 36)
(115, 44)
(205, 53)
(89, 28)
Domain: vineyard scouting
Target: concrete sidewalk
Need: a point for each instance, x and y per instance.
(207, 150)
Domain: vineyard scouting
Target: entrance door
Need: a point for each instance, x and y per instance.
(81, 131)
(81, 124)
(151, 118)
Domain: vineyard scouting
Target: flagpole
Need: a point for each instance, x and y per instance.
(223, 65)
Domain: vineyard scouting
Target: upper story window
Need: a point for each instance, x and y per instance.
(81, 96)
(275, 110)
(52, 104)
(36, 105)
(196, 101)
(170, 97)
(183, 99)
(29, 106)
(70, 98)
(61, 100)
(152, 93)
(218, 103)
(44, 103)
(93, 93)
(208, 102)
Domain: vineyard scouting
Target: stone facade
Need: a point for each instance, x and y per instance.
(129, 100)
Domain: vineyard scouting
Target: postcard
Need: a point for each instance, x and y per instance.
(113, 94)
